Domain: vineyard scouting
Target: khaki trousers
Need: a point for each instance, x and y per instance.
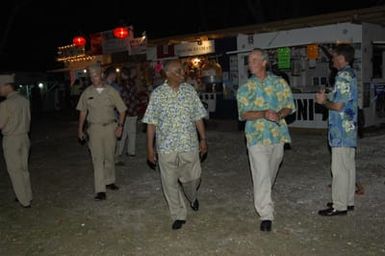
(102, 146)
(344, 177)
(16, 153)
(264, 164)
(186, 168)
(128, 137)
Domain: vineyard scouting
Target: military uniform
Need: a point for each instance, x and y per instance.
(99, 107)
(15, 118)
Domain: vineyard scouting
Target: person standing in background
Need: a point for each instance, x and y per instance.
(15, 119)
(130, 98)
(342, 104)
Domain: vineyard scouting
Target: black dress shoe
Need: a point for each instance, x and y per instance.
(266, 225)
(195, 205)
(331, 212)
(120, 163)
(178, 224)
(350, 207)
(112, 186)
(100, 196)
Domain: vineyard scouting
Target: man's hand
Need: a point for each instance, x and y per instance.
(81, 135)
(118, 131)
(151, 156)
(202, 147)
(321, 97)
(272, 115)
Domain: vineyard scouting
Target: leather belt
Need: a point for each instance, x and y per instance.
(104, 124)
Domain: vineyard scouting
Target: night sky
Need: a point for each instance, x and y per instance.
(31, 30)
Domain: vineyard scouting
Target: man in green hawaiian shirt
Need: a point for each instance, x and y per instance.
(174, 114)
(264, 101)
(342, 105)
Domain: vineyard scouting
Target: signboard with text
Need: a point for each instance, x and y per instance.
(308, 114)
(138, 45)
(195, 48)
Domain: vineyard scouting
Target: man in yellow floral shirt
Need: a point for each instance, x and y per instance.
(174, 114)
(264, 101)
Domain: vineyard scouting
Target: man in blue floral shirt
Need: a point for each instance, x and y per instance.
(342, 104)
(174, 115)
(264, 101)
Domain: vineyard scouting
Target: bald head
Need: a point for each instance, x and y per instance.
(174, 72)
(170, 64)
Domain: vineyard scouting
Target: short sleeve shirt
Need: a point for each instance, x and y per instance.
(272, 93)
(100, 106)
(343, 124)
(15, 115)
(174, 114)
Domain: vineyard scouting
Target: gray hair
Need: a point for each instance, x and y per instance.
(264, 54)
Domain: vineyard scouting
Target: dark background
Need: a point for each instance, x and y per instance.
(30, 31)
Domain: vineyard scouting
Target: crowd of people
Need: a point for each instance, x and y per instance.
(176, 135)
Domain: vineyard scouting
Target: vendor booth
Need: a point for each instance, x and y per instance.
(303, 57)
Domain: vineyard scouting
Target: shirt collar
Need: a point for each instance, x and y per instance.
(345, 68)
(169, 87)
(11, 94)
(268, 77)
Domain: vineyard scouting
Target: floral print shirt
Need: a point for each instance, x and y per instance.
(129, 94)
(174, 114)
(343, 124)
(256, 95)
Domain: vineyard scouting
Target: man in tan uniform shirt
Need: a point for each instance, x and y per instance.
(97, 104)
(15, 120)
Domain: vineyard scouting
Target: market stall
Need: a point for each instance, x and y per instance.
(302, 56)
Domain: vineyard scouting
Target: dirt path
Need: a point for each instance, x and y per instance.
(65, 220)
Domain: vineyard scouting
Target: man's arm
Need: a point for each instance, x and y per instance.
(202, 135)
(151, 157)
(277, 116)
(335, 106)
(82, 118)
(253, 115)
(119, 129)
(321, 99)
